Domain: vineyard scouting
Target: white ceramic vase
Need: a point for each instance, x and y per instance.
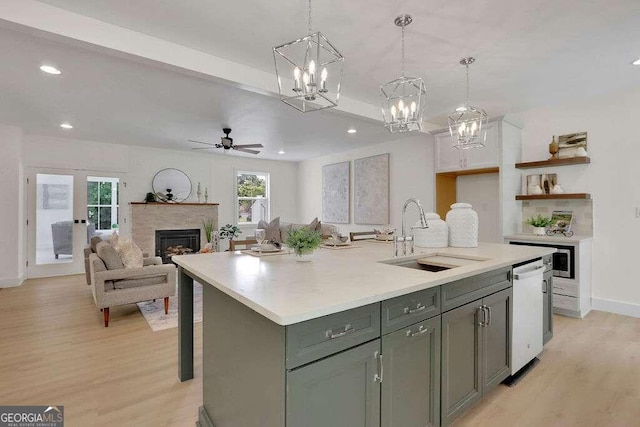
(463, 226)
(436, 236)
(539, 231)
(304, 257)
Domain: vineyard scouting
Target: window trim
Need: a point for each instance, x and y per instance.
(237, 198)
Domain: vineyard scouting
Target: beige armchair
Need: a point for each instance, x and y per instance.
(131, 285)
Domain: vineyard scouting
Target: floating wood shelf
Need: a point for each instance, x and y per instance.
(581, 196)
(554, 162)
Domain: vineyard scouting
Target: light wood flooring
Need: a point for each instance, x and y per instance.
(54, 350)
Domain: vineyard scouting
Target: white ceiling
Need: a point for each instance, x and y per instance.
(529, 52)
(116, 100)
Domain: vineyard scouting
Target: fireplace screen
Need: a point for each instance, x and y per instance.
(176, 242)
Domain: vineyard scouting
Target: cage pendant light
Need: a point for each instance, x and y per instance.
(468, 124)
(403, 99)
(309, 71)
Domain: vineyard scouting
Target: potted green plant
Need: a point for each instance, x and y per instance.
(539, 224)
(229, 231)
(303, 242)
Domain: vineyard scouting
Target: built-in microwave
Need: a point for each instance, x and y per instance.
(563, 258)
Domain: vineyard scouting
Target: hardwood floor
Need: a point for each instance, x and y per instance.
(55, 350)
(588, 375)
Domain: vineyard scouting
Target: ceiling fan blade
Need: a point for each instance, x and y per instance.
(200, 142)
(203, 148)
(249, 146)
(246, 150)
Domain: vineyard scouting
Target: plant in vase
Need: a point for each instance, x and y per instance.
(303, 242)
(209, 232)
(539, 224)
(229, 232)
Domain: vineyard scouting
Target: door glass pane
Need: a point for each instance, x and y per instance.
(102, 205)
(54, 218)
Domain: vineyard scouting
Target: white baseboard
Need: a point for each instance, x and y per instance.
(12, 283)
(616, 307)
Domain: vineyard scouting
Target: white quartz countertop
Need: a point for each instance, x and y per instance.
(287, 292)
(559, 238)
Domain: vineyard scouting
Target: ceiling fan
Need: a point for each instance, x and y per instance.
(226, 142)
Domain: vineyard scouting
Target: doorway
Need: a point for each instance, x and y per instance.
(65, 209)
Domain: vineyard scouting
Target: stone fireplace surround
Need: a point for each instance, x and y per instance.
(146, 218)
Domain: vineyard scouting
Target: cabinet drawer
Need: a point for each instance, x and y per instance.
(472, 288)
(547, 260)
(564, 288)
(400, 312)
(318, 338)
(566, 302)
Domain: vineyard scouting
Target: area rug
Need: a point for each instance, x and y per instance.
(153, 312)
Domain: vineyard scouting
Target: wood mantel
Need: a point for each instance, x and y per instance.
(174, 204)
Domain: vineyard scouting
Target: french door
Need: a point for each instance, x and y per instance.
(65, 208)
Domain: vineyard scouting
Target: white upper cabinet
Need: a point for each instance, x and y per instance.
(450, 159)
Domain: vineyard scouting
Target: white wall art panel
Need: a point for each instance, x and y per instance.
(371, 188)
(335, 193)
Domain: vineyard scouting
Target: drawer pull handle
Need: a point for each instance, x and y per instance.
(421, 330)
(418, 309)
(348, 329)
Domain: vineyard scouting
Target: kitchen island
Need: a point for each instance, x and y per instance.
(290, 343)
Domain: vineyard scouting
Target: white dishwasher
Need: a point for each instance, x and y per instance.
(526, 330)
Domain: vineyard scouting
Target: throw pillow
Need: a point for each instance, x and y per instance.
(109, 256)
(94, 242)
(284, 232)
(314, 225)
(113, 238)
(272, 230)
(129, 252)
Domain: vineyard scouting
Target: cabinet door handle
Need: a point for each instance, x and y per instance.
(481, 322)
(545, 286)
(488, 323)
(348, 329)
(418, 309)
(379, 376)
(421, 330)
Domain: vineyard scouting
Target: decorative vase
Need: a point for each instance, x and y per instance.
(463, 226)
(304, 256)
(554, 147)
(539, 231)
(436, 236)
(556, 189)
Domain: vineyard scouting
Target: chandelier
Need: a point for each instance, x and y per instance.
(309, 71)
(403, 98)
(468, 124)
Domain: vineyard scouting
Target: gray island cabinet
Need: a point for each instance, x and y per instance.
(419, 356)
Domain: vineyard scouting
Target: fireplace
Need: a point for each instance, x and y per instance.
(176, 242)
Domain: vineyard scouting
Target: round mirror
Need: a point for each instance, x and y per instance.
(172, 185)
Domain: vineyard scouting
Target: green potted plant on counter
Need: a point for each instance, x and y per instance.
(229, 232)
(539, 224)
(303, 242)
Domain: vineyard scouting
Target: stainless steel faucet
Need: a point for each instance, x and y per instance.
(404, 239)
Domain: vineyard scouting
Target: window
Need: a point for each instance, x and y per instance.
(252, 193)
(103, 198)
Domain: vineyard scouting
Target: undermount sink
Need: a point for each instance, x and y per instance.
(434, 262)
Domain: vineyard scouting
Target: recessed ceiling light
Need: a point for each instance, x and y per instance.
(281, 152)
(636, 62)
(66, 125)
(352, 130)
(49, 69)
